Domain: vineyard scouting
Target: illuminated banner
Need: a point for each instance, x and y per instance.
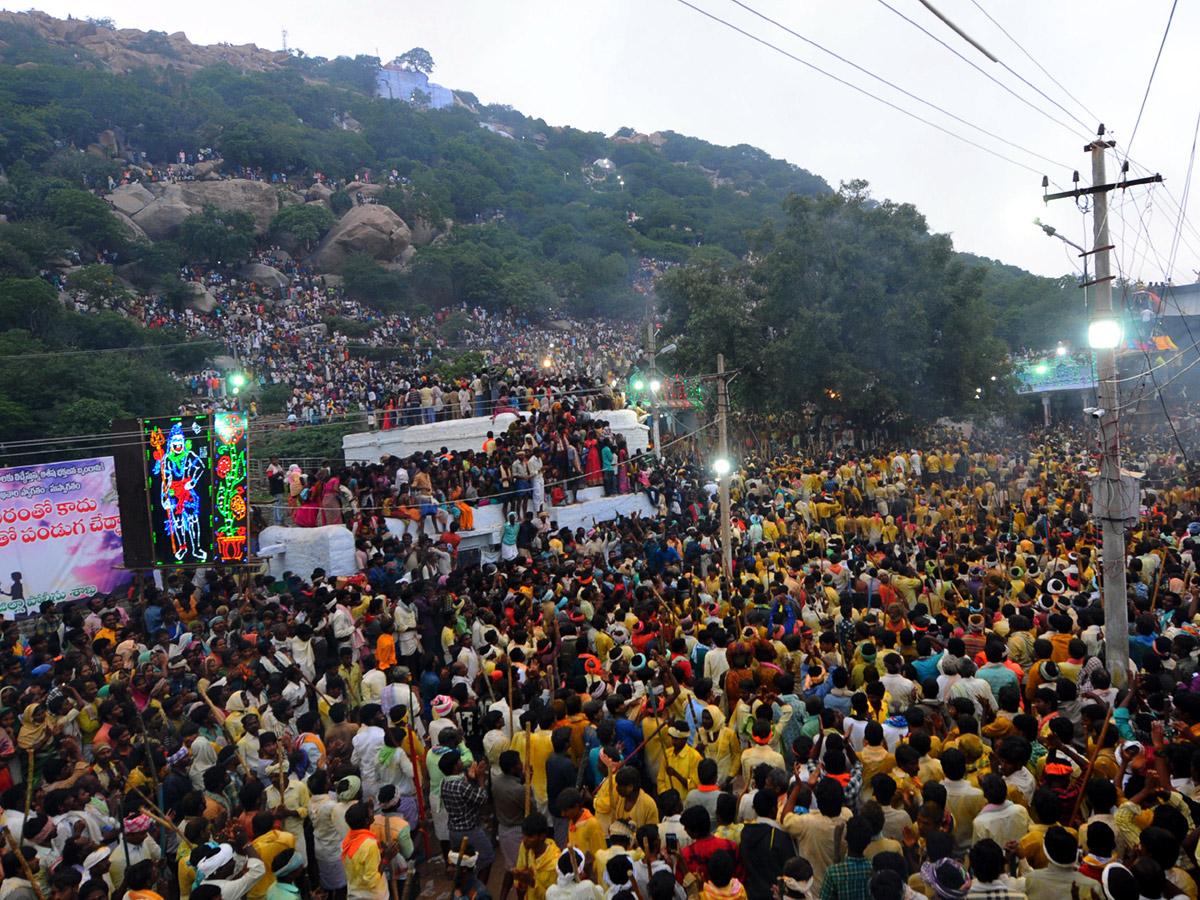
(179, 481)
(197, 484)
(231, 509)
(60, 530)
(1069, 372)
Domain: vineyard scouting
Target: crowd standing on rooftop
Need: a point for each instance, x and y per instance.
(901, 688)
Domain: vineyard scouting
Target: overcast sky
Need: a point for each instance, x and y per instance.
(657, 65)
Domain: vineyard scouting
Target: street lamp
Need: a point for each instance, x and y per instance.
(1051, 231)
(721, 466)
(1104, 334)
(655, 385)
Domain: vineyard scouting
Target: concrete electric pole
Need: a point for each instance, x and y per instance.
(1104, 336)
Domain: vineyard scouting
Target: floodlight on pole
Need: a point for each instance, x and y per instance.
(655, 385)
(1104, 333)
(721, 467)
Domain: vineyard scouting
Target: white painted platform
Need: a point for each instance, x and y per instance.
(469, 434)
(300, 550)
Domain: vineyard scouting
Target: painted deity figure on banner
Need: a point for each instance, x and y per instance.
(180, 468)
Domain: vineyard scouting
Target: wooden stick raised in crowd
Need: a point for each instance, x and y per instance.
(508, 668)
(1162, 565)
(165, 822)
(1087, 773)
(528, 766)
(308, 680)
(29, 786)
(225, 728)
(283, 772)
(393, 888)
(462, 849)
(16, 851)
(416, 764)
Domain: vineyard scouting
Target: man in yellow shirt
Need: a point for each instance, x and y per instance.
(363, 857)
(678, 769)
(537, 860)
(268, 842)
(583, 831)
(621, 797)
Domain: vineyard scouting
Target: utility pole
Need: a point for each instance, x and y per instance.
(1116, 606)
(1104, 337)
(655, 383)
(723, 470)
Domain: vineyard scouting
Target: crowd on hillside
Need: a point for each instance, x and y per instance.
(902, 688)
(292, 336)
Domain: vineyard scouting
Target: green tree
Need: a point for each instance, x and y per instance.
(852, 309)
(368, 281)
(340, 202)
(216, 235)
(30, 304)
(98, 284)
(417, 58)
(305, 222)
(86, 217)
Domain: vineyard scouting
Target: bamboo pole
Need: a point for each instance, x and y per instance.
(161, 821)
(1087, 773)
(29, 786)
(16, 851)
(528, 767)
(228, 733)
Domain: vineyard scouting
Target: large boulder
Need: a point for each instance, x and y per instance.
(129, 228)
(319, 191)
(367, 189)
(174, 201)
(259, 199)
(425, 232)
(364, 229)
(201, 298)
(207, 167)
(160, 220)
(130, 198)
(263, 275)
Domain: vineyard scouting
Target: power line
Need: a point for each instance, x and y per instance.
(1150, 83)
(1082, 105)
(854, 87)
(984, 73)
(894, 86)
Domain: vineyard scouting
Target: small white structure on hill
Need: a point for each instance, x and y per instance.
(397, 83)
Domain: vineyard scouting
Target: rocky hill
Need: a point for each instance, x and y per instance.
(124, 50)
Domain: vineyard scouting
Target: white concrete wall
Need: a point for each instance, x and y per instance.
(469, 434)
(300, 550)
(455, 434)
(490, 518)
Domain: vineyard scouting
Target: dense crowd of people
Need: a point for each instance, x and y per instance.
(900, 688)
(295, 336)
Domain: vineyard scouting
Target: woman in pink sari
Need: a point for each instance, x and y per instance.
(594, 475)
(331, 503)
(309, 513)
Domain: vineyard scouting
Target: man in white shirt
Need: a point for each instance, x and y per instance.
(373, 681)
(1001, 819)
(366, 746)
